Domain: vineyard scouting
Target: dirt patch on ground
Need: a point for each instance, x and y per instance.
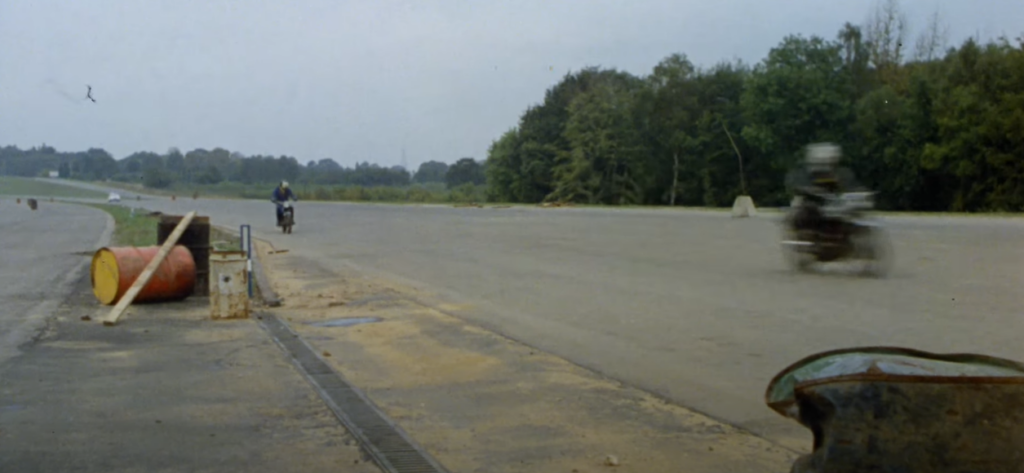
(480, 402)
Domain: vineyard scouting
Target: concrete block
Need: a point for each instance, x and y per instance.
(743, 207)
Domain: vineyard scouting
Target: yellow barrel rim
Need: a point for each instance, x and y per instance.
(105, 276)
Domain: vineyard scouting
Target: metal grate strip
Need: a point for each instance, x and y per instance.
(386, 443)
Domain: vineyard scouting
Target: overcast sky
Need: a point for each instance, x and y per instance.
(360, 80)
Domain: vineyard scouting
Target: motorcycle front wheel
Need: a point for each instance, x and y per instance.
(795, 259)
(873, 249)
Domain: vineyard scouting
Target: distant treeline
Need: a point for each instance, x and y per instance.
(209, 167)
(929, 127)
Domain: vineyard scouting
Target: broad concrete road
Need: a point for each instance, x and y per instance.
(692, 305)
(41, 252)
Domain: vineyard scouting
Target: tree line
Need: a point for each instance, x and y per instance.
(210, 167)
(929, 127)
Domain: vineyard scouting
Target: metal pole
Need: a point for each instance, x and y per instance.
(245, 232)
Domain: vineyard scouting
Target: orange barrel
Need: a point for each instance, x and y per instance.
(115, 269)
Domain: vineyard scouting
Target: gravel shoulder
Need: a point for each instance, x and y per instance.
(478, 401)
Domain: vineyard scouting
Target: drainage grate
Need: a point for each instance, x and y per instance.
(390, 448)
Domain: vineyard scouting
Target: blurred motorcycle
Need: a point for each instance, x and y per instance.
(841, 231)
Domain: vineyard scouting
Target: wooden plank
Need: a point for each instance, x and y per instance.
(147, 273)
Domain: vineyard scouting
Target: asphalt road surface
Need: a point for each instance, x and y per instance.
(40, 254)
(695, 306)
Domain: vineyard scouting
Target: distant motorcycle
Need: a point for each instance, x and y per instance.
(287, 217)
(844, 232)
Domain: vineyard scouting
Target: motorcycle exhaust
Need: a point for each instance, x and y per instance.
(796, 243)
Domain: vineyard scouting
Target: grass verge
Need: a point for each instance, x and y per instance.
(136, 228)
(222, 240)
(139, 228)
(24, 187)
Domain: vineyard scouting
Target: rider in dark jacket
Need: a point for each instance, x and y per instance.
(818, 183)
(282, 193)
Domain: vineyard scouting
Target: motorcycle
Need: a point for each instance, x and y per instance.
(844, 232)
(287, 217)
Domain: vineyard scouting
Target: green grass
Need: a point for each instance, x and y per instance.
(23, 187)
(222, 240)
(139, 229)
(130, 230)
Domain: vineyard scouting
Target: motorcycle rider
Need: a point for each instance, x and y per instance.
(282, 193)
(817, 185)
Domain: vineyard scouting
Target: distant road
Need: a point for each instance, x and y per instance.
(692, 305)
(37, 259)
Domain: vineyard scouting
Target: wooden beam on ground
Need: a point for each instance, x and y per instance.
(147, 273)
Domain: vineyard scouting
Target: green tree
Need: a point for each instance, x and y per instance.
(156, 177)
(798, 95)
(465, 171)
(539, 139)
(504, 181)
(603, 163)
(431, 171)
(176, 164)
(667, 109)
(979, 124)
(211, 175)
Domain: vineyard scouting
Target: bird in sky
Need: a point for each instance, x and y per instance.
(88, 94)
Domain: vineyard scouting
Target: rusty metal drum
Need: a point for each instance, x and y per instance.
(114, 270)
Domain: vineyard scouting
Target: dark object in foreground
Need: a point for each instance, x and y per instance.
(888, 409)
(32, 204)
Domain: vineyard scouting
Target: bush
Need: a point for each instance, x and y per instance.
(322, 193)
(157, 178)
(468, 193)
(387, 194)
(419, 194)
